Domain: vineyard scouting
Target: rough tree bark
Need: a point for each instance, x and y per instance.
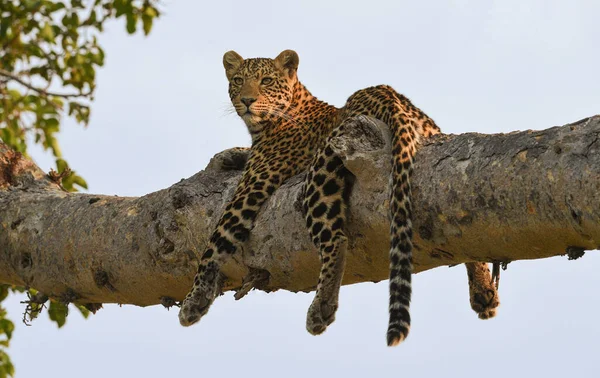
(495, 198)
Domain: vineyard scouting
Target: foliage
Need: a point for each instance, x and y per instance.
(57, 312)
(49, 54)
(6, 329)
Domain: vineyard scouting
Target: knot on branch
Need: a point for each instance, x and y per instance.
(575, 253)
(169, 302)
(102, 280)
(9, 161)
(68, 296)
(15, 169)
(93, 307)
(360, 135)
(364, 144)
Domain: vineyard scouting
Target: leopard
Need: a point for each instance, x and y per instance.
(291, 132)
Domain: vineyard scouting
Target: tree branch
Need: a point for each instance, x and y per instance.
(496, 198)
(44, 92)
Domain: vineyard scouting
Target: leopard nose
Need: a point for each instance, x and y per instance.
(248, 101)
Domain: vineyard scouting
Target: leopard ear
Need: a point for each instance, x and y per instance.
(288, 61)
(232, 62)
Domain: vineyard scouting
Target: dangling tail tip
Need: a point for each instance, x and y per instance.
(395, 337)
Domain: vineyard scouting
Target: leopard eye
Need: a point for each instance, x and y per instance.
(238, 80)
(266, 81)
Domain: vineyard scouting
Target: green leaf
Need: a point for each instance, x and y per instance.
(6, 367)
(78, 180)
(151, 11)
(51, 143)
(69, 182)
(57, 103)
(47, 33)
(92, 19)
(122, 7)
(147, 23)
(15, 95)
(58, 313)
(17, 289)
(80, 111)
(30, 4)
(61, 165)
(131, 22)
(52, 125)
(77, 3)
(66, 20)
(3, 292)
(7, 327)
(84, 311)
(53, 7)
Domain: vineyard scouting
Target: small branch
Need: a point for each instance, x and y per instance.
(59, 177)
(35, 304)
(255, 279)
(43, 92)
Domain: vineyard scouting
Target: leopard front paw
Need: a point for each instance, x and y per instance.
(485, 302)
(233, 159)
(320, 315)
(194, 307)
(487, 314)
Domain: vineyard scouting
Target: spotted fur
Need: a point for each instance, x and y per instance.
(291, 132)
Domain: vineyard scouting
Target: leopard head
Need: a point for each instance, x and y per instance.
(261, 89)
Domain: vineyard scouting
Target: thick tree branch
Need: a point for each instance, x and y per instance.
(503, 197)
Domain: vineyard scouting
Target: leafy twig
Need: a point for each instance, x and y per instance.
(35, 304)
(11, 76)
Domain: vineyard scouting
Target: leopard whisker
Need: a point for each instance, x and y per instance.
(228, 108)
(284, 115)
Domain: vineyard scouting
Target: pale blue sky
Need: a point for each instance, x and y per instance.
(485, 66)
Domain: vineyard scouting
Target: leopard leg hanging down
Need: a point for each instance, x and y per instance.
(326, 222)
(233, 229)
(264, 173)
(327, 191)
(407, 124)
(483, 292)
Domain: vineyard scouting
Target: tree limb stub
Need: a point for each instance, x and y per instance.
(497, 198)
